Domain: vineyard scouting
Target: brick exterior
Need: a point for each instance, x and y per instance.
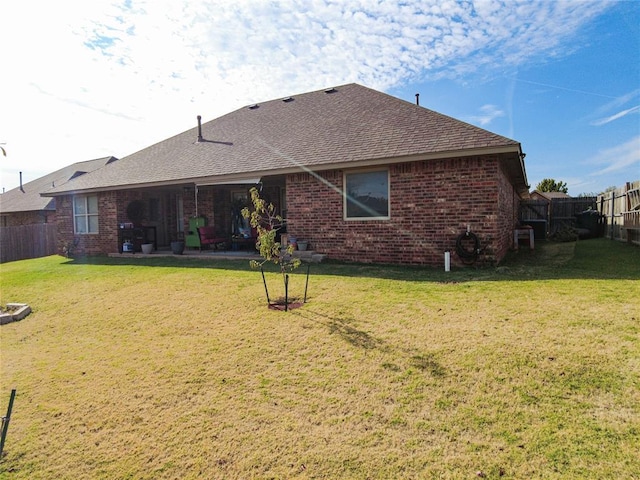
(105, 240)
(213, 204)
(15, 219)
(432, 202)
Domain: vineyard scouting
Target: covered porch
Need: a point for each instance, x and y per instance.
(163, 215)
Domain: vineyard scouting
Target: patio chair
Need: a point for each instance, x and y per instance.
(208, 236)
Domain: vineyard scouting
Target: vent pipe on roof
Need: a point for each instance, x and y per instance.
(199, 128)
(418, 99)
(21, 189)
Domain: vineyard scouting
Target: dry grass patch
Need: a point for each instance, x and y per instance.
(178, 370)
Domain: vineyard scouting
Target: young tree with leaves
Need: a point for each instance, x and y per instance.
(267, 224)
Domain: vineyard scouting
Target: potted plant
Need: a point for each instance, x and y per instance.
(177, 247)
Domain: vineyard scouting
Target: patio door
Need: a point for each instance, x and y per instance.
(158, 216)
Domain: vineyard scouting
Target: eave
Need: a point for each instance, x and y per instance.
(509, 153)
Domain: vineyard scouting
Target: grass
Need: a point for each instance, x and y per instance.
(169, 368)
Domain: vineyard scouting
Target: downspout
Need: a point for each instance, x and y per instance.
(196, 198)
(524, 172)
(198, 141)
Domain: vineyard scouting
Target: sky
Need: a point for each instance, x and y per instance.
(88, 79)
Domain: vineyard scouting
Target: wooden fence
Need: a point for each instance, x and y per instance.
(28, 241)
(621, 210)
(556, 213)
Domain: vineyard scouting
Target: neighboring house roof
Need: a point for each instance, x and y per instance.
(28, 198)
(345, 126)
(550, 195)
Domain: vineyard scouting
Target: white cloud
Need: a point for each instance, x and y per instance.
(616, 116)
(91, 78)
(487, 114)
(615, 104)
(618, 102)
(622, 157)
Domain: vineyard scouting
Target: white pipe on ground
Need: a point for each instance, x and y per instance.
(447, 261)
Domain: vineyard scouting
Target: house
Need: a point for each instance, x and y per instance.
(24, 205)
(359, 174)
(547, 196)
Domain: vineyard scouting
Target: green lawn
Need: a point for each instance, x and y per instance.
(175, 368)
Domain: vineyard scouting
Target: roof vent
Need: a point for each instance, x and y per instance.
(287, 100)
(199, 129)
(76, 174)
(330, 90)
(254, 106)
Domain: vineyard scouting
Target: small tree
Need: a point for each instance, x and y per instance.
(550, 185)
(267, 224)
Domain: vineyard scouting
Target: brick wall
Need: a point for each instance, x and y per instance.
(432, 202)
(509, 205)
(106, 240)
(15, 219)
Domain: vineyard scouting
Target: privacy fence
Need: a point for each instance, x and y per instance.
(618, 213)
(28, 241)
(547, 217)
(620, 209)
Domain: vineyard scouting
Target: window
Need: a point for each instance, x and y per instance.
(366, 195)
(85, 214)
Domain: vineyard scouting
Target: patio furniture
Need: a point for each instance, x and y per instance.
(245, 240)
(192, 238)
(208, 236)
(524, 232)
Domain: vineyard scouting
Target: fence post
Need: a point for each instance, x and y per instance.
(613, 212)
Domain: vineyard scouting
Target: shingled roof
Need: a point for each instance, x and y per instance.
(29, 199)
(345, 126)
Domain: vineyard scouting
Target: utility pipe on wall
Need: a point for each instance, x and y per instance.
(196, 198)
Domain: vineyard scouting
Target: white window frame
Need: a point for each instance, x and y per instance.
(85, 216)
(345, 198)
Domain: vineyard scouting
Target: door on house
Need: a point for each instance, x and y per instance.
(158, 218)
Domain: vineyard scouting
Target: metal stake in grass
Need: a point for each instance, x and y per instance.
(266, 290)
(5, 421)
(286, 292)
(306, 284)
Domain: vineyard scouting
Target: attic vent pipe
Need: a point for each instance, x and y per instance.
(21, 189)
(199, 128)
(418, 99)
